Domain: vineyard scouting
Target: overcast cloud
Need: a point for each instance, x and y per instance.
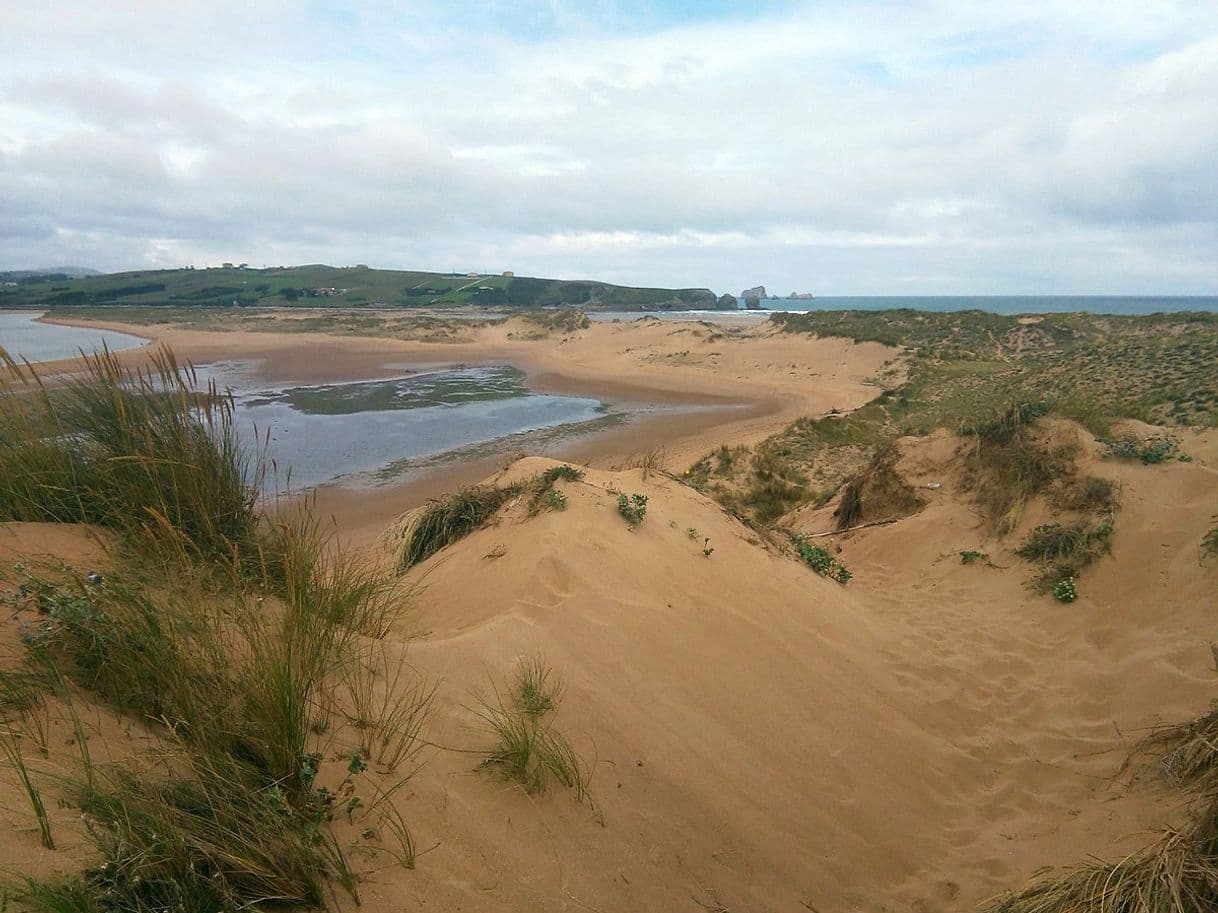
(916, 147)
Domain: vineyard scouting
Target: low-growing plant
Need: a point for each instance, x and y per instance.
(1065, 590)
(971, 556)
(1209, 542)
(821, 560)
(632, 507)
(556, 500)
(1155, 449)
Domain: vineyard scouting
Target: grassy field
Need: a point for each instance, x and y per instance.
(321, 286)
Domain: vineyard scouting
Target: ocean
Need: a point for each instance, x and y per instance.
(1001, 304)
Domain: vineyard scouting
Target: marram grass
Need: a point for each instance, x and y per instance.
(140, 450)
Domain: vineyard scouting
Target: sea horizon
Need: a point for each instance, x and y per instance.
(1117, 305)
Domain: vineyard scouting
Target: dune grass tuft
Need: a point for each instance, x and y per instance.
(1209, 542)
(1176, 874)
(1189, 751)
(420, 533)
(10, 745)
(538, 689)
(140, 450)
(527, 748)
(224, 631)
(1008, 463)
(424, 531)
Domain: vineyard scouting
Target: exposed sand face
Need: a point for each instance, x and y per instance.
(766, 739)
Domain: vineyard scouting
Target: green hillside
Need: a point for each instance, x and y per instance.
(317, 285)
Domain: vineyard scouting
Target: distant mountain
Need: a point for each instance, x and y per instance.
(72, 272)
(324, 286)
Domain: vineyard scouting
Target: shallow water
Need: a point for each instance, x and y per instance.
(23, 337)
(368, 430)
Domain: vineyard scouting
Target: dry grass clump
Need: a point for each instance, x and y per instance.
(1176, 874)
(877, 493)
(1089, 494)
(1189, 751)
(1064, 551)
(420, 533)
(1008, 462)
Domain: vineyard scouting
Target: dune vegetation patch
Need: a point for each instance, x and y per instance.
(142, 451)
(527, 748)
(1063, 552)
(876, 494)
(821, 560)
(418, 534)
(982, 375)
(1176, 873)
(1007, 461)
(224, 633)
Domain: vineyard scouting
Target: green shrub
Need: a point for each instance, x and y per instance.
(969, 556)
(1065, 590)
(1156, 449)
(820, 560)
(1092, 494)
(632, 508)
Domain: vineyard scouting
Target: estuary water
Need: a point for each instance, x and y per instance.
(370, 430)
(23, 337)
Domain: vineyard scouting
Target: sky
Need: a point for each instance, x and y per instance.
(920, 147)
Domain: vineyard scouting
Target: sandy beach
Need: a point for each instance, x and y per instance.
(746, 381)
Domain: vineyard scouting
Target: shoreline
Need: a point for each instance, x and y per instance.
(746, 387)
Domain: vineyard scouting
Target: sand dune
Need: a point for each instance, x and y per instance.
(762, 738)
(766, 739)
